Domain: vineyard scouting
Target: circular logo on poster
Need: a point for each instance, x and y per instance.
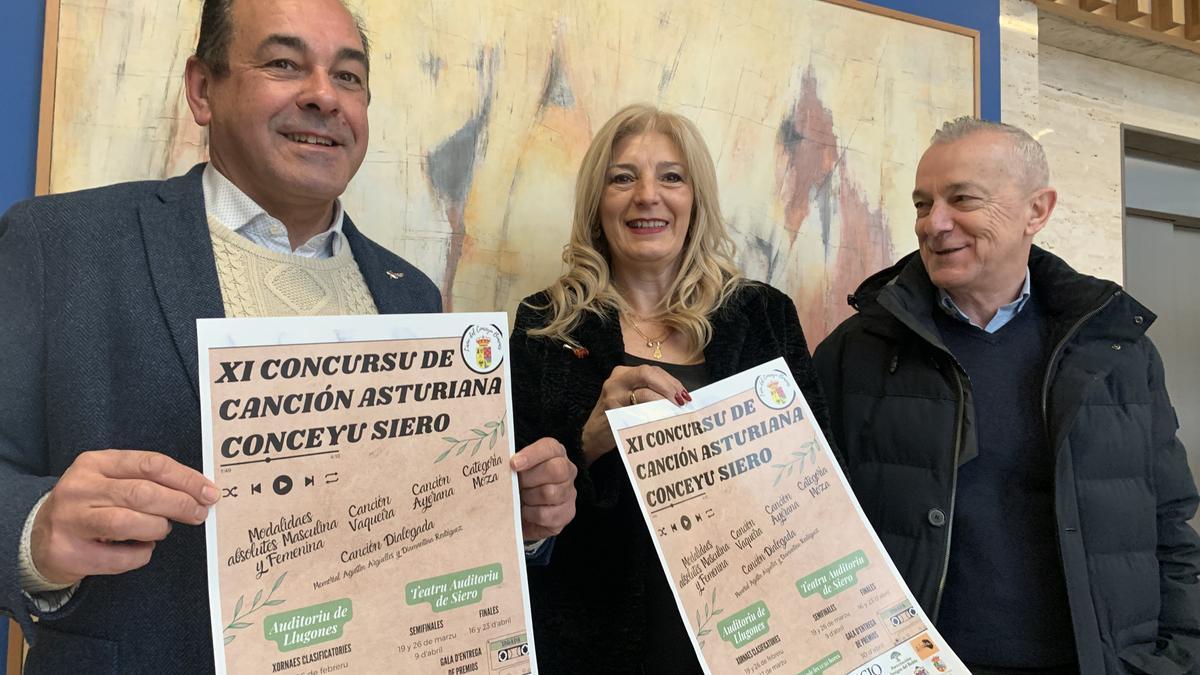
(483, 348)
(774, 389)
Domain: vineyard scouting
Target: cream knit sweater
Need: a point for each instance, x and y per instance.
(258, 282)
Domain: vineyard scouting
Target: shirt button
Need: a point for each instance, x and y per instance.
(937, 517)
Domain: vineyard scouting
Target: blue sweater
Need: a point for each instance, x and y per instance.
(1005, 601)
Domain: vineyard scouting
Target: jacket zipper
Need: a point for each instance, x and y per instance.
(1057, 352)
(958, 439)
(958, 432)
(1054, 355)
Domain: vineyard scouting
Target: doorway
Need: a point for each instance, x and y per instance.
(1162, 264)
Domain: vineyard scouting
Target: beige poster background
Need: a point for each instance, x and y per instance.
(368, 513)
(774, 566)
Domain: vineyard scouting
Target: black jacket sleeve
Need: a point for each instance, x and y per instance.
(1178, 544)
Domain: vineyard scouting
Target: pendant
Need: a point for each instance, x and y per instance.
(657, 344)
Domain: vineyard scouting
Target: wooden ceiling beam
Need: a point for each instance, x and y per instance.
(1173, 19)
(1128, 10)
(1180, 19)
(1163, 14)
(1191, 20)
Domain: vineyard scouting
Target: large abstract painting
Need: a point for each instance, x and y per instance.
(816, 113)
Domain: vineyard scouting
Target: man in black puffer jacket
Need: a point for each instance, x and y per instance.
(987, 390)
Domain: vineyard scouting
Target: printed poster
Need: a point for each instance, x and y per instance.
(774, 567)
(369, 519)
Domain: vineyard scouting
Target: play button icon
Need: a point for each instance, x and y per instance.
(282, 485)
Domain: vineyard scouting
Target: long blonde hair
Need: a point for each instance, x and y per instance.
(707, 275)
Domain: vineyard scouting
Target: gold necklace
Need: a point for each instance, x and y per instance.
(652, 343)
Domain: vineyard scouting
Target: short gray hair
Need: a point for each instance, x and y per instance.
(1035, 169)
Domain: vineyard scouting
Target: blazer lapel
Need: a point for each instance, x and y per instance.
(180, 257)
(390, 288)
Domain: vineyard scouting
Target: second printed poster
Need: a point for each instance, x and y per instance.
(774, 566)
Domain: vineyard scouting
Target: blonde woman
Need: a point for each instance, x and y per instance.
(651, 306)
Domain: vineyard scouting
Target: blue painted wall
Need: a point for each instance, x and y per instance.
(21, 24)
(21, 51)
(983, 16)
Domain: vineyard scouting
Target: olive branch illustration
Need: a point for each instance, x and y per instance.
(710, 611)
(238, 623)
(491, 433)
(807, 451)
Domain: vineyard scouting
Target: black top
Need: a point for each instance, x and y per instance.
(692, 376)
(670, 651)
(598, 605)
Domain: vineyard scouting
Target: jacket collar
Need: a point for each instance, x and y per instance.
(910, 297)
(905, 292)
(1070, 297)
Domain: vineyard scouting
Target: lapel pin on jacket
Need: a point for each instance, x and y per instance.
(394, 275)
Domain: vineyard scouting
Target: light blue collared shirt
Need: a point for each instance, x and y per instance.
(237, 211)
(1003, 315)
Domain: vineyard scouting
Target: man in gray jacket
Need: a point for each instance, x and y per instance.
(985, 389)
(100, 488)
